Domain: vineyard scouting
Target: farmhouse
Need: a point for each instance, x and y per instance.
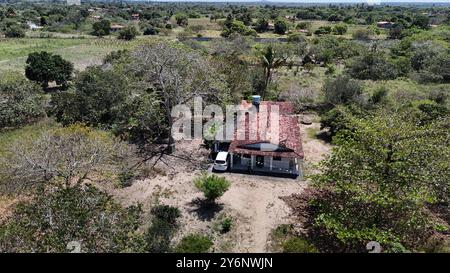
(385, 24)
(116, 27)
(276, 149)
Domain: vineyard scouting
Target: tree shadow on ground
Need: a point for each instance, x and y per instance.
(324, 136)
(205, 210)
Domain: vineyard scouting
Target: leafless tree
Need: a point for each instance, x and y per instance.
(63, 156)
(177, 74)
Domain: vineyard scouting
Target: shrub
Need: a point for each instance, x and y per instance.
(323, 30)
(280, 26)
(337, 119)
(101, 28)
(373, 66)
(151, 31)
(362, 34)
(194, 243)
(14, 32)
(164, 225)
(225, 225)
(126, 178)
(296, 38)
(166, 213)
(342, 90)
(128, 33)
(440, 96)
(379, 96)
(182, 19)
(21, 104)
(340, 29)
(212, 186)
(298, 245)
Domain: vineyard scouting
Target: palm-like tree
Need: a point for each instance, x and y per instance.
(270, 62)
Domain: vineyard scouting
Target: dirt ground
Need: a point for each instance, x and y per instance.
(252, 202)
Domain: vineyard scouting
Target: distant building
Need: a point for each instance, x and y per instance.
(385, 24)
(116, 27)
(73, 2)
(135, 16)
(33, 26)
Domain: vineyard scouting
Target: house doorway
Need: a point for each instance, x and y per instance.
(259, 161)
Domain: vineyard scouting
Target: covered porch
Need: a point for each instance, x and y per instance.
(264, 164)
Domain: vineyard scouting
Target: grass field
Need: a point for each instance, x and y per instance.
(81, 52)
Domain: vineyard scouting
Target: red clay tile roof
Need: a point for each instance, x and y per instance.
(289, 131)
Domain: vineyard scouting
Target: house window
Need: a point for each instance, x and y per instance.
(246, 156)
(277, 158)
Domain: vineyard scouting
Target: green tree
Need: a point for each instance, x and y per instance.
(212, 186)
(280, 26)
(128, 33)
(97, 100)
(43, 67)
(22, 102)
(379, 179)
(341, 90)
(14, 31)
(237, 27)
(269, 62)
(340, 29)
(182, 19)
(373, 65)
(421, 21)
(101, 28)
(262, 24)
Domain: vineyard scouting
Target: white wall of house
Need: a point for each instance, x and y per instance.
(276, 163)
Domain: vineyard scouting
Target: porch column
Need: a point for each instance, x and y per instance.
(252, 161)
(271, 161)
(231, 161)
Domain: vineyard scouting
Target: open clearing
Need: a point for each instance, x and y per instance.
(252, 202)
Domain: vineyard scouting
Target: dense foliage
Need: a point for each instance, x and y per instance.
(43, 67)
(83, 214)
(21, 102)
(212, 186)
(380, 176)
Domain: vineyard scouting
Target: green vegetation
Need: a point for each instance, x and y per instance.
(43, 67)
(194, 243)
(212, 186)
(98, 223)
(22, 102)
(384, 152)
(163, 226)
(129, 33)
(378, 77)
